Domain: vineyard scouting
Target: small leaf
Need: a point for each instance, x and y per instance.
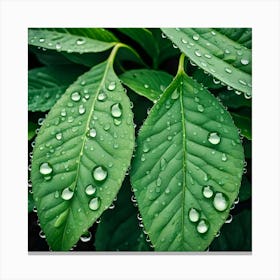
(148, 83)
(187, 168)
(235, 236)
(214, 52)
(81, 155)
(119, 228)
(47, 84)
(244, 124)
(65, 42)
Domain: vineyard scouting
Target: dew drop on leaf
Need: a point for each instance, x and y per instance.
(46, 169)
(207, 191)
(80, 41)
(94, 204)
(90, 190)
(116, 110)
(67, 194)
(224, 157)
(163, 164)
(194, 215)
(102, 96)
(100, 173)
(82, 109)
(112, 86)
(92, 132)
(195, 37)
(175, 95)
(200, 108)
(86, 237)
(202, 226)
(228, 70)
(220, 202)
(184, 41)
(244, 61)
(197, 53)
(214, 138)
(75, 96)
(58, 136)
(58, 46)
(146, 86)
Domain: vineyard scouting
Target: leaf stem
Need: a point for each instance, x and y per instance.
(181, 64)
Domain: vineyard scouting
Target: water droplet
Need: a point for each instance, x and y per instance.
(92, 132)
(163, 164)
(75, 96)
(56, 194)
(220, 202)
(58, 46)
(90, 190)
(224, 157)
(197, 53)
(67, 194)
(228, 70)
(117, 122)
(195, 37)
(63, 113)
(200, 108)
(163, 35)
(202, 226)
(106, 126)
(100, 173)
(175, 94)
(214, 138)
(184, 41)
(244, 61)
(85, 237)
(116, 110)
(208, 56)
(82, 109)
(242, 82)
(174, 46)
(94, 204)
(247, 95)
(213, 33)
(207, 191)
(46, 169)
(102, 96)
(42, 234)
(145, 148)
(216, 82)
(229, 219)
(58, 136)
(40, 121)
(42, 40)
(80, 41)
(146, 86)
(194, 215)
(112, 86)
(158, 183)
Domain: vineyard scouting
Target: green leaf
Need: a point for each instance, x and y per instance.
(81, 155)
(31, 130)
(119, 228)
(232, 100)
(47, 84)
(216, 53)
(245, 189)
(65, 42)
(148, 83)
(31, 203)
(144, 38)
(236, 236)
(187, 144)
(244, 123)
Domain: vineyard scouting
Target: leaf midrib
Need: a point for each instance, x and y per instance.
(84, 141)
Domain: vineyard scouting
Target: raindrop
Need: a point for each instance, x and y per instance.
(213, 33)
(242, 82)
(244, 61)
(224, 157)
(214, 138)
(92, 132)
(75, 96)
(163, 164)
(106, 126)
(42, 40)
(112, 86)
(58, 136)
(67, 194)
(174, 46)
(216, 82)
(42, 234)
(94, 204)
(228, 70)
(46, 169)
(90, 190)
(146, 86)
(220, 202)
(102, 96)
(82, 109)
(200, 108)
(197, 53)
(116, 110)
(184, 41)
(194, 215)
(100, 173)
(85, 237)
(40, 121)
(158, 183)
(80, 41)
(163, 36)
(63, 113)
(208, 56)
(229, 219)
(247, 95)
(58, 46)
(145, 148)
(202, 226)
(195, 37)
(207, 191)
(117, 122)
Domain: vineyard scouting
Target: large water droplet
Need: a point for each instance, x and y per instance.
(100, 173)
(202, 226)
(58, 136)
(224, 157)
(195, 37)
(102, 96)
(92, 132)
(94, 204)
(46, 169)
(197, 53)
(244, 61)
(214, 138)
(194, 215)
(67, 194)
(75, 96)
(80, 41)
(116, 110)
(112, 86)
(82, 109)
(207, 191)
(90, 190)
(220, 202)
